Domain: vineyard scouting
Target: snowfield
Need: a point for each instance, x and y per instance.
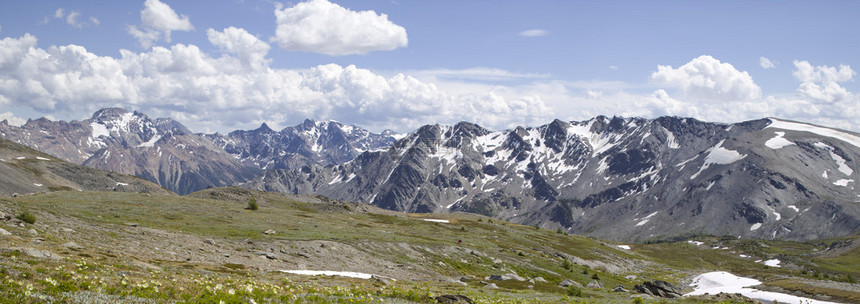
(778, 141)
(719, 155)
(348, 274)
(796, 126)
(721, 281)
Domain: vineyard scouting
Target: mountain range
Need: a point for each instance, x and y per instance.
(166, 152)
(630, 179)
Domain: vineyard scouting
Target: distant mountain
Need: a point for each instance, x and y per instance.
(627, 179)
(160, 150)
(310, 142)
(166, 152)
(24, 170)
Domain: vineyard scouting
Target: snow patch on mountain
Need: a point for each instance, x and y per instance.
(843, 182)
(599, 142)
(670, 141)
(646, 219)
(826, 132)
(843, 167)
(778, 142)
(719, 155)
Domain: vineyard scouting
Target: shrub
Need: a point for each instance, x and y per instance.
(252, 204)
(595, 277)
(566, 264)
(27, 217)
(574, 291)
(558, 230)
(638, 300)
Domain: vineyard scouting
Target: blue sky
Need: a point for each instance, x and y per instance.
(400, 64)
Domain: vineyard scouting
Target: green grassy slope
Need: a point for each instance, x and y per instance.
(184, 247)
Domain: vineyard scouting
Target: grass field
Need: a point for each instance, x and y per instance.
(223, 240)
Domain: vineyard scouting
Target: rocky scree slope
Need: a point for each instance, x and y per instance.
(628, 179)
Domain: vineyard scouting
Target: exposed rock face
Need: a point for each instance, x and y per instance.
(628, 179)
(659, 289)
(446, 299)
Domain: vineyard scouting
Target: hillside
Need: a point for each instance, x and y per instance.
(25, 171)
(113, 246)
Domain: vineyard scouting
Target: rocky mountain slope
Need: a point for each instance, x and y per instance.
(619, 178)
(24, 171)
(166, 152)
(159, 150)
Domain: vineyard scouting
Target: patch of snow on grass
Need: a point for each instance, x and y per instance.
(772, 263)
(348, 274)
(437, 221)
(37, 185)
(796, 126)
(697, 243)
(21, 157)
(843, 182)
(625, 247)
(724, 282)
(719, 155)
(778, 141)
(41, 158)
(121, 184)
(755, 226)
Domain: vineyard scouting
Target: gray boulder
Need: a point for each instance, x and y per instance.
(567, 283)
(505, 277)
(594, 284)
(659, 288)
(452, 299)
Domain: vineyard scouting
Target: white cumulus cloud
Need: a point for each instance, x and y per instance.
(534, 33)
(765, 63)
(250, 50)
(323, 27)
(12, 120)
(158, 20)
(209, 92)
(706, 77)
(822, 82)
